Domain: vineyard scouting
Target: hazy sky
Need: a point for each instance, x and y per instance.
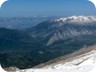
(47, 8)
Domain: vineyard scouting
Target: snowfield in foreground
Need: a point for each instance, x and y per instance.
(82, 63)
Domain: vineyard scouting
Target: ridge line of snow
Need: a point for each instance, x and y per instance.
(77, 19)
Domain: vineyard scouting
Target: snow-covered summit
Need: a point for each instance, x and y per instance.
(78, 19)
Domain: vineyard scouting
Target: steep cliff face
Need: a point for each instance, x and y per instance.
(64, 28)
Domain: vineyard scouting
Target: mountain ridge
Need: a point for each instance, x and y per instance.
(64, 28)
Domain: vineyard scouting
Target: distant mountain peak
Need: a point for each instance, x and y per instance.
(77, 19)
(58, 29)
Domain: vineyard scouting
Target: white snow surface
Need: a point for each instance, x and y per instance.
(78, 19)
(1, 69)
(82, 63)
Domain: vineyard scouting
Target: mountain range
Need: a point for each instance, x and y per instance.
(45, 41)
(21, 23)
(64, 28)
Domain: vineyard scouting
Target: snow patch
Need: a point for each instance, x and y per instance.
(82, 63)
(78, 19)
